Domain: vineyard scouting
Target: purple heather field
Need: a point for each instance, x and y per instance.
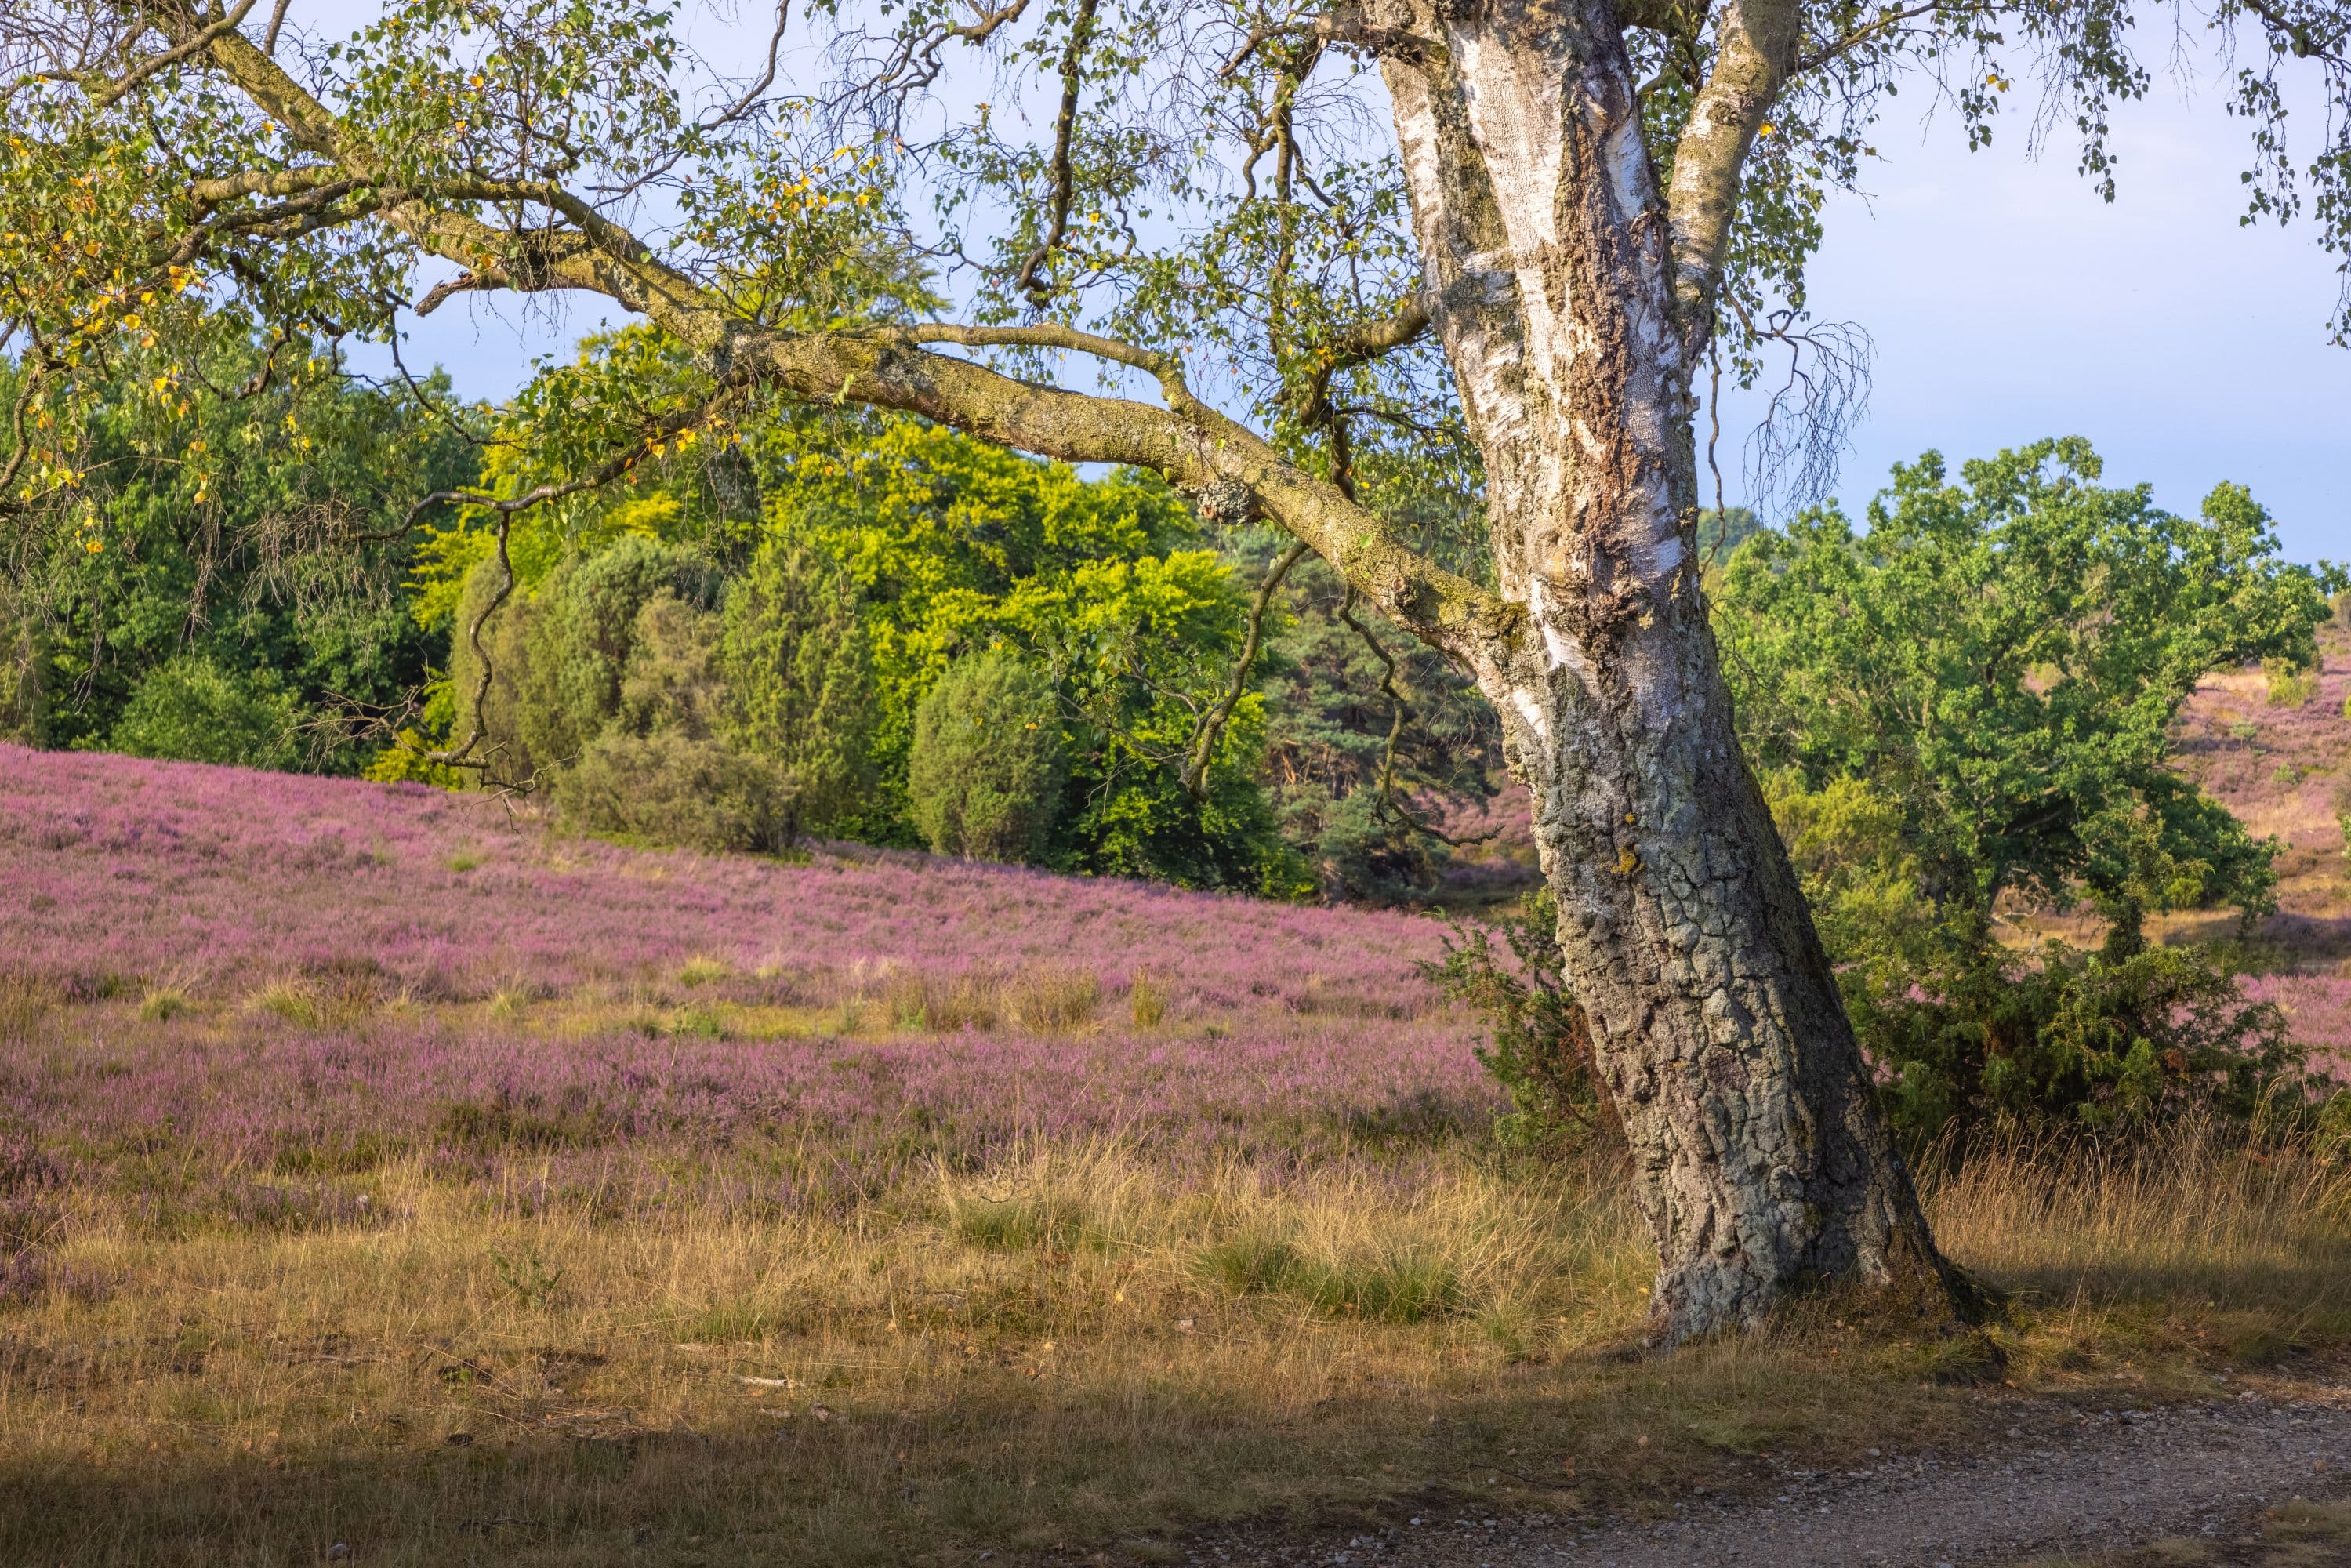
(459, 986)
(376, 973)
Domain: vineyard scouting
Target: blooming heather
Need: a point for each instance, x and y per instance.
(374, 972)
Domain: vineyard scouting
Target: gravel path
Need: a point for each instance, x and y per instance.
(2061, 1479)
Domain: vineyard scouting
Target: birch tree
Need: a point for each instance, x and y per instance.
(1318, 251)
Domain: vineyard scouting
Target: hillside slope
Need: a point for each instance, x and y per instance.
(2285, 770)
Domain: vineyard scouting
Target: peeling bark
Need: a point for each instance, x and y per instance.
(1763, 1163)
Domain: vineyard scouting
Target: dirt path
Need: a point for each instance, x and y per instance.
(2061, 1480)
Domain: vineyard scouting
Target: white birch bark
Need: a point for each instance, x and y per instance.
(1761, 1162)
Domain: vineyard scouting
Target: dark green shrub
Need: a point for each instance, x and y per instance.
(2090, 1039)
(558, 657)
(1540, 1044)
(662, 766)
(194, 710)
(802, 677)
(985, 780)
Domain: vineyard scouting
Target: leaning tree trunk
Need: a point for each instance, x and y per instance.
(1762, 1162)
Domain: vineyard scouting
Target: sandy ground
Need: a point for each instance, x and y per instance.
(2063, 1480)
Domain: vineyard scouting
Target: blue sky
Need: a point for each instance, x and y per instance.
(2007, 303)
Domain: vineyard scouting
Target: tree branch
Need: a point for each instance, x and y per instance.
(1196, 448)
(1194, 775)
(1755, 47)
(194, 42)
(1032, 281)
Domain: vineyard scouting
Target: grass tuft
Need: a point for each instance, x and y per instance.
(287, 999)
(162, 1004)
(1146, 1000)
(702, 972)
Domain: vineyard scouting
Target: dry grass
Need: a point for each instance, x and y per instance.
(1042, 1000)
(1082, 1347)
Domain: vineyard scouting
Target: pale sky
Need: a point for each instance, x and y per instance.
(2007, 303)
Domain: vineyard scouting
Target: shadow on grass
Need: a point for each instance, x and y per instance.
(1005, 1462)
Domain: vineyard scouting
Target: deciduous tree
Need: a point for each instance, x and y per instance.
(1507, 256)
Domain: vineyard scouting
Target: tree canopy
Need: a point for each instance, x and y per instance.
(2004, 656)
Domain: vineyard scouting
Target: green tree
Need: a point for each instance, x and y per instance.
(191, 709)
(802, 682)
(261, 537)
(1369, 736)
(953, 548)
(1972, 701)
(2004, 657)
(988, 766)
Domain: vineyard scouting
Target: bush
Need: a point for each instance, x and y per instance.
(1967, 1030)
(985, 780)
(192, 710)
(559, 656)
(1541, 1047)
(2291, 684)
(2089, 1040)
(802, 677)
(660, 767)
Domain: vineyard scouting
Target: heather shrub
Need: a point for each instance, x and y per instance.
(194, 710)
(985, 779)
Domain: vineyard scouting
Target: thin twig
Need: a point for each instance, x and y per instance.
(1032, 281)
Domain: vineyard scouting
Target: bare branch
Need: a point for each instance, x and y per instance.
(1399, 710)
(1194, 774)
(1032, 281)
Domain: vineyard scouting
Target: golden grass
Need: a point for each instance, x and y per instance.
(1086, 1347)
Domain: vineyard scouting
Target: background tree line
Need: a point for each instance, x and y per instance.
(830, 622)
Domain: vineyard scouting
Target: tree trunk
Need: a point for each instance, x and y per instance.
(1763, 1163)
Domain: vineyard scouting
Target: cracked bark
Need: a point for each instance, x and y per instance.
(1761, 1161)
